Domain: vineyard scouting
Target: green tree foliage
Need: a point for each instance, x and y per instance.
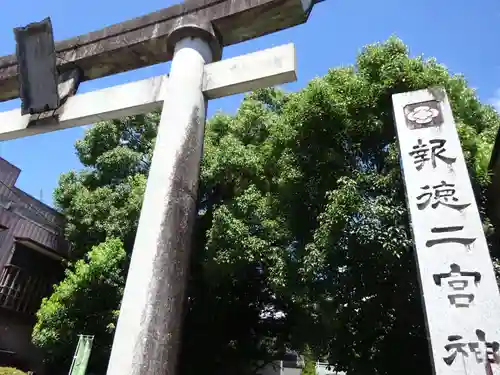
(301, 211)
(86, 301)
(309, 363)
(11, 371)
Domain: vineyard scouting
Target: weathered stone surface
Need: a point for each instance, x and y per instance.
(37, 67)
(142, 41)
(240, 74)
(460, 292)
(190, 26)
(148, 331)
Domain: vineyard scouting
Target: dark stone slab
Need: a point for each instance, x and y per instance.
(37, 71)
(141, 41)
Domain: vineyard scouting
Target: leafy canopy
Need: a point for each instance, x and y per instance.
(302, 237)
(86, 300)
(11, 371)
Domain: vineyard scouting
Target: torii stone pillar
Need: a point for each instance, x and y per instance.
(147, 338)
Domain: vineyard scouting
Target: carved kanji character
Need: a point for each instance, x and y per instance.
(440, 194)
(455, 348)
(461, 240)
(459, 281)
(422, 153)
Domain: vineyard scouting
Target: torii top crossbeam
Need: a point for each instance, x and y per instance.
(141, 41)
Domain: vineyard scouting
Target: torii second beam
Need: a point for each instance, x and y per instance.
(227, 77)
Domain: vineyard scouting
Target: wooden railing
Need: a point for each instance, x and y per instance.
(21, 291)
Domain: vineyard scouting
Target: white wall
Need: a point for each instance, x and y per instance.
(322, 369)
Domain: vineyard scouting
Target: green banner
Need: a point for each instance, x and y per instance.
(82, 355)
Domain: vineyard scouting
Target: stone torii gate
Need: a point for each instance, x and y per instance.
(192, 35)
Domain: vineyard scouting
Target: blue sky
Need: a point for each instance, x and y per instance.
(463, 35)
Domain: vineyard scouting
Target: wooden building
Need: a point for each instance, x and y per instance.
(32, 248)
